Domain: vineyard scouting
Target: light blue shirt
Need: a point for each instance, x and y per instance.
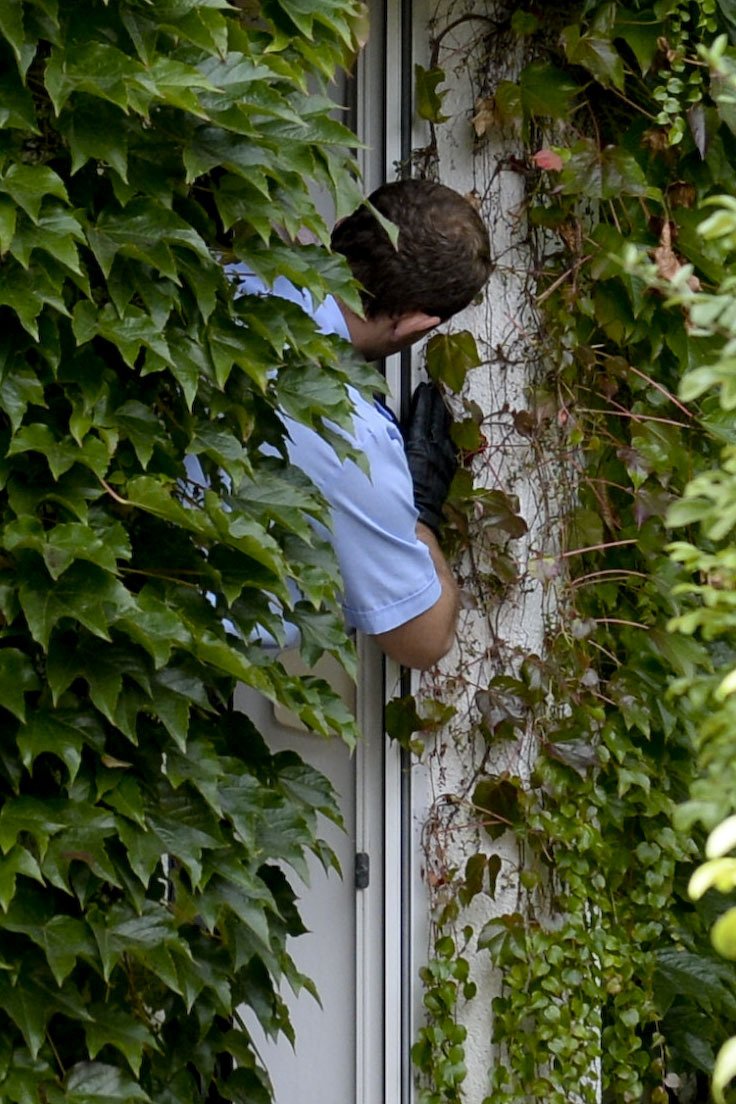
(387, 572)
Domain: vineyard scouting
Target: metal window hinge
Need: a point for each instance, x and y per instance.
(362, 869)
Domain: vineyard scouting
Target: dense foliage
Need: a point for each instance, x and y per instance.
(607, 967)
(710, 559)
(144, 826)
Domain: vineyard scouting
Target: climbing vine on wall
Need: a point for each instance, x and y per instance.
(626, 134)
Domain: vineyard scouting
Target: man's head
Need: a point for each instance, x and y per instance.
(440, 262)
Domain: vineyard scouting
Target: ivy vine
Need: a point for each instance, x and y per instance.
(627, 136)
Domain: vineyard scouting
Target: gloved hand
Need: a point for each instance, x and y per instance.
(430, 452)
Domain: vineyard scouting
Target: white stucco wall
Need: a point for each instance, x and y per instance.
(499, 626)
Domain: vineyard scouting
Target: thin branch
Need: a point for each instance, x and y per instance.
(603, 698)
(611, 656)
(114, 494)
(155, 574)
(636, 107)
(598, 547)
(622, 412)
(622, 571)
(614, 216)
(599, 479)
(621, 621)
(572, 271)
(451, 27)
(57, 1056)
(618, 578)
(662, 390)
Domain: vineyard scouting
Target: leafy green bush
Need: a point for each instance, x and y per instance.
(708, 555)
(143, 824)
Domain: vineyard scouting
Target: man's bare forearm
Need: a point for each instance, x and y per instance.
(449, 601)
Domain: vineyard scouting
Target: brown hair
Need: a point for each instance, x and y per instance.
(440, 262)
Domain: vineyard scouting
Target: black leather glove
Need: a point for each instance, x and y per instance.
(430, 452)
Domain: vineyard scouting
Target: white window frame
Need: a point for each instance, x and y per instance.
(391, 915)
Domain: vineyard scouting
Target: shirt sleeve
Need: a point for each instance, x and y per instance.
(387, 572)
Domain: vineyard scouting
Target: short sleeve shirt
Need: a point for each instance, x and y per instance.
(387, 572)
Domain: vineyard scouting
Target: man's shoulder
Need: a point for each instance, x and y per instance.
(374, 434)
(327, 315)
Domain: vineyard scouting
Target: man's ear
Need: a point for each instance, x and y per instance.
(409, 327)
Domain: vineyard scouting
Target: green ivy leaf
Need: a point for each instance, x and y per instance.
(547, 90)
(60, 454)
(18, 677)
(96, 131)
(428, 99)
(524, 23)
(271, 494)
(17, 861)
(145, 231)
(56, 231)
(28, 1008)
(40, 819)
(63, 939)
(8, 219)
(451, 356)
(101, 71)
(481, 873)
(728, 12)
(141, 426)
(144, 851)
(190, 363)
(72, 541)
(20, 388)
(154, 625)
(596, 54)
(124, 793)
(17, 109)
(205, 27)
(85, 594)
(48, 733)
(604, 174)
(639, 34)
(704, 979)
(26, 293)
(82, 842)
(13, 31)
(403, 719)
(174, 712)
(65, 543)
(210, 146)
(98, 1083)
(497, 799)
(28, 186)
(508, 103)
(116, 1027)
